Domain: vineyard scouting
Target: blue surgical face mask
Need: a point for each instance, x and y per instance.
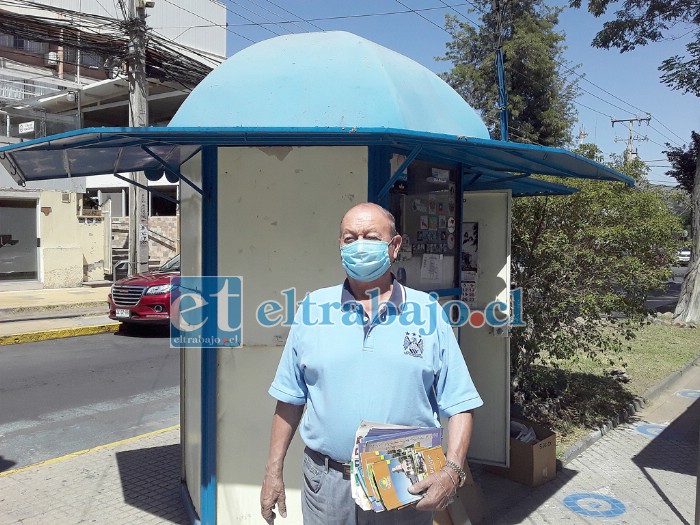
(365, 260)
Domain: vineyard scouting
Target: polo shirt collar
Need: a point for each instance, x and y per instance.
(397, 297)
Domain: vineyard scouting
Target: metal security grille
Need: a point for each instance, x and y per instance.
(127, 295)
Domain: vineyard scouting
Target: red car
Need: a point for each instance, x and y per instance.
(144, 298)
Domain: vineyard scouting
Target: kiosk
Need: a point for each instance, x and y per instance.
(271, 149)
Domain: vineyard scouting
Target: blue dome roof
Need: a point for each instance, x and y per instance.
(331, 79)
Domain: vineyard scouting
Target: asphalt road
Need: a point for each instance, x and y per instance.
(665, 300)
(65, 395)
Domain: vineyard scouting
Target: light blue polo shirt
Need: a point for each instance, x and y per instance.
(392, 370)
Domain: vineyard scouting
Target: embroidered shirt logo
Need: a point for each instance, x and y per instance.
(413, 345)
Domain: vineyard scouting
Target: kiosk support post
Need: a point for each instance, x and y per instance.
(209, 269)
(379, 171)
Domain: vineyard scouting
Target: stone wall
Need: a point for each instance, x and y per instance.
(162, 237)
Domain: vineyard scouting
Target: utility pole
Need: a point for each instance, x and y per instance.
(630, 152)
(138, 117)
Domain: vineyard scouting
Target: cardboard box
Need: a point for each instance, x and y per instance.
(533, 464)
(467, 508)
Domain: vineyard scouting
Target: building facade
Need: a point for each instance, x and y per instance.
(63, 66)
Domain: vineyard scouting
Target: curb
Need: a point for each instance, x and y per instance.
(59, 333)
(83, 452)
(634, 407)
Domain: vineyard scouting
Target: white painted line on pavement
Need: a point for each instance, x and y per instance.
(88, 410)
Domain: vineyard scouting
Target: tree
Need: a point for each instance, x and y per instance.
(540, 100)
(639, 22)
(686, 170)
(586, 263)
(582, 260)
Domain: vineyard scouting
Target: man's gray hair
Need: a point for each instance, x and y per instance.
(392, 221)
(389, 216)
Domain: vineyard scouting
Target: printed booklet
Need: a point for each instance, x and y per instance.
(388, 459)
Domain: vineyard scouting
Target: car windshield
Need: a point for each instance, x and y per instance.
(173, 265)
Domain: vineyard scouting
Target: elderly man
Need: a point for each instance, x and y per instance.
(344, 372)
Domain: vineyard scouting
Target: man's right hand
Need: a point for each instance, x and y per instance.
(272, 493)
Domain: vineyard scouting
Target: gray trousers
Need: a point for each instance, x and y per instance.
(326, 500)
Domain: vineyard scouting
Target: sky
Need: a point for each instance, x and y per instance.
(619, 86)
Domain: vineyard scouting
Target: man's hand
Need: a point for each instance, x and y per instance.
(272, 493)
(437, 489)
(284, 424)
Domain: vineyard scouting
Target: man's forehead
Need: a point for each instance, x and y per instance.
(365, 217)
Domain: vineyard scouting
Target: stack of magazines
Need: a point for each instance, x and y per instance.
(388, 459)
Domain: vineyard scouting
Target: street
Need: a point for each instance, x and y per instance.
(64, 395)
(665, 300)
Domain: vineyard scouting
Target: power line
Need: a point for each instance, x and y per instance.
(225, 26)
(555, 60)
(673, 132)
(673, 142)
(272, 13)
(361, 15)
(596, 96)
(583, 77)
(460, 14)
(233, 13)
(594, 110)
(251, 11)
(423, 17)
(290, 13)
(645, 137)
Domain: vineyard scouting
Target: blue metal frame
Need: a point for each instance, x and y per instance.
(502, 94)
(405, 164)
(173, 171)
(147, 188)
(504, 157)
(378, 174)
(446, 292)
(210, 267)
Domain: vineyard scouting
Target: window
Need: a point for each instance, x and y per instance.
(18, 240)
(161, 207)
(16, 42)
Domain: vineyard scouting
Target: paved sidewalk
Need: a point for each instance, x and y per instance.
(36, 300)
(35, 315)
(641, 472)
(136, 482)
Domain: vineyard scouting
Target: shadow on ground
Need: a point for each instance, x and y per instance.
(508, 503)
(581, 398)
(150, 479)
(674, 449)
(6, 464)
(150, 331)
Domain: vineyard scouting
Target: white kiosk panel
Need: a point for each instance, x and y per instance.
(279, 218)
(487, 353)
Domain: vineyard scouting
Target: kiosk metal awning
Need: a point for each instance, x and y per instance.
(487, 164)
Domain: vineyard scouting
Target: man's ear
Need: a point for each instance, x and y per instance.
(395, 247)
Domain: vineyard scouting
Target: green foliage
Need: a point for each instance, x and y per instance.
(682, 74)
(540, 101)
(684, 162)
(586, 264)
(640, 22)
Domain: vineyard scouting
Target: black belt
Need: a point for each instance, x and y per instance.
(343, 468)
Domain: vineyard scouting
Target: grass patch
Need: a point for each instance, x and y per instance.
(589, 395)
